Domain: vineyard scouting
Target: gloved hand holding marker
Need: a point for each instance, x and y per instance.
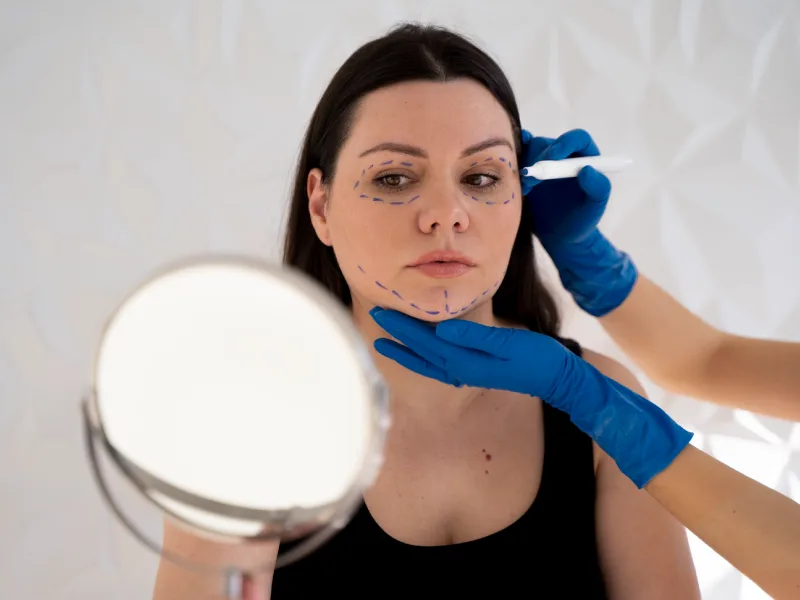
(570, 167)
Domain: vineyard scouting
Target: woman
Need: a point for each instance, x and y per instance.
(407, 196)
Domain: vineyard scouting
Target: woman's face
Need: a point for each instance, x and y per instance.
(425, 203)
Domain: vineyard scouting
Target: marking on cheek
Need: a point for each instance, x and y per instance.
(380, 285)
(502, 159)
(360, 268)
(377, 200)
(489, 202)
(485, 292)
(363, 196)
(488, 159)
(407, 164)
(397, 202)
(473, 302)
(507, 201)
(387, 162)
(474, 198)
(414, 198)
(356, 185)
(412, 305)
(363, 171)
(398, 295)
(369, 167)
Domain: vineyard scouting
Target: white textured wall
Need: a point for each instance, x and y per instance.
(134, 132)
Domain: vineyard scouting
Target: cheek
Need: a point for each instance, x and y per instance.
(498, 226)
(365, 241)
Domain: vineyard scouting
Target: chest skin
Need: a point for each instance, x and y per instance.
(453, 481)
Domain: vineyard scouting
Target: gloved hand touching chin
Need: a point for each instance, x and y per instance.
(566, 213)
(640, 437)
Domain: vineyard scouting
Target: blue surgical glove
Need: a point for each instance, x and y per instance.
(565, 214)
(641, 438)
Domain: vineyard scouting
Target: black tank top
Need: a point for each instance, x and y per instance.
(549, 552)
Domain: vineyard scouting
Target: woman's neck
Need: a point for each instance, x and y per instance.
(421, 396)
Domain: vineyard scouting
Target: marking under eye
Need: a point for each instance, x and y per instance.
(377, 200)
(369, 167)
(502, 159)
(490, 202)
(388, 162)
(414, 198)
(474, 198)
(397, 202)
(407, 164)
(363, 196)
(488, 159)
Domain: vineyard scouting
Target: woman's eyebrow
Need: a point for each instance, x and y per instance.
(418, 152)
(485, 145)
(399, 148)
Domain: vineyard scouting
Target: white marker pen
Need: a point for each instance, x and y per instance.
(569, 167)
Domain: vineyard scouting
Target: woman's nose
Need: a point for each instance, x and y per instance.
(443, 210)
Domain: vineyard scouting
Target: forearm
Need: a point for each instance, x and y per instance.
(762, 376)
(175, 583)
(752, 526)
(667, 341)
(685, 355)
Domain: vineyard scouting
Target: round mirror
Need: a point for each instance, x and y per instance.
(239, 399)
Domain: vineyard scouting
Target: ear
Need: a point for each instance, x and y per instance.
(318, 205)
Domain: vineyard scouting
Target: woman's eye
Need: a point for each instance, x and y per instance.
(480, 180)
(392, 181)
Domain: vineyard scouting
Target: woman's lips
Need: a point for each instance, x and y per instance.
(443, 269)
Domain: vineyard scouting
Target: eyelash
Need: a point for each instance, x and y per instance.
(380, 182)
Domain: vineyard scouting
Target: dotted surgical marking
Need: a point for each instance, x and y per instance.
(409, 164)
(446, 302)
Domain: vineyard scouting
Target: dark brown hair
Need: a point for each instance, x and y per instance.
(409, 52)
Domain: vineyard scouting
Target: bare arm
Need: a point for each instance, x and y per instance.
(176, 583)
(684, 354)
(752, 526)
(643, 549)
